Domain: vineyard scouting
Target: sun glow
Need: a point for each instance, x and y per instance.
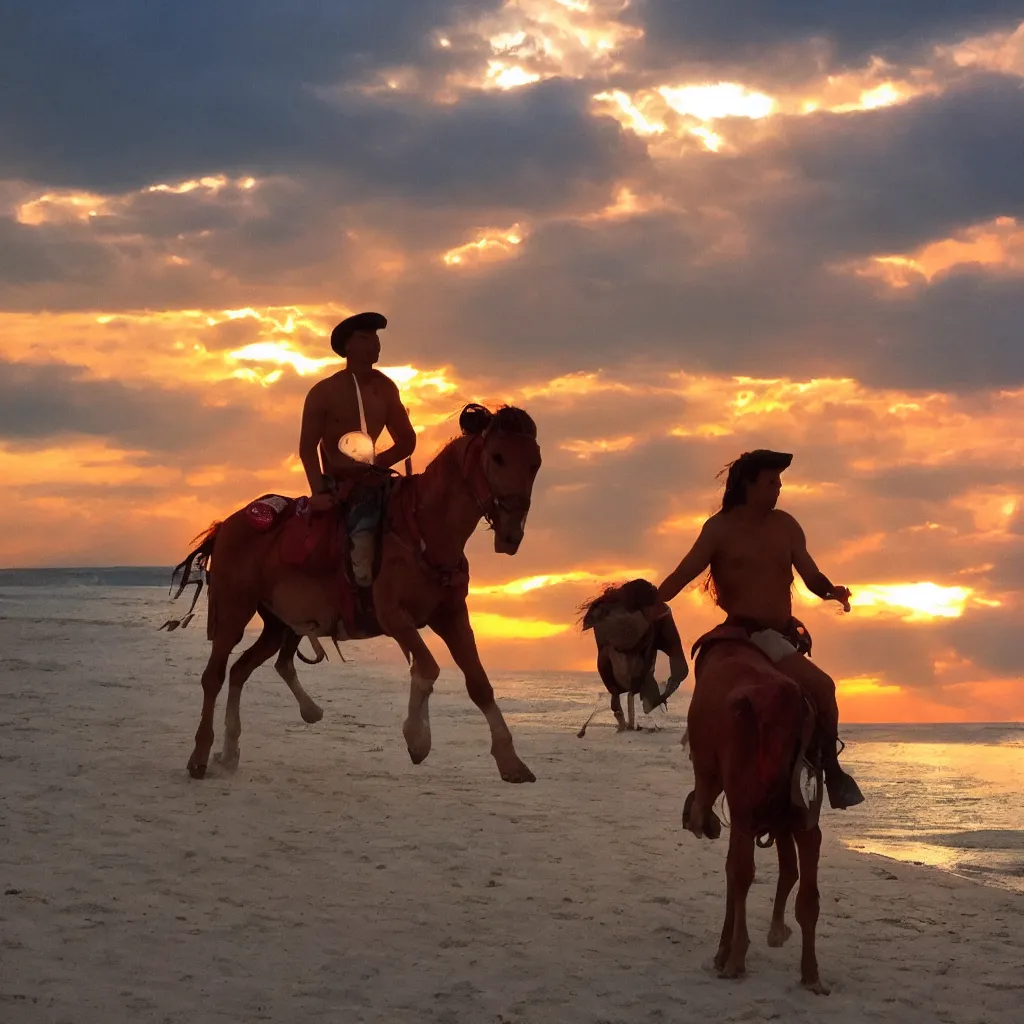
(490, 244)
(712, 102)
(914, 602)
(493, 626)
(281, 354)
(530, 584)
(599, 446)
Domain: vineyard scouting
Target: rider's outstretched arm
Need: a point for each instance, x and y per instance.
(816, 581)
(694, 562)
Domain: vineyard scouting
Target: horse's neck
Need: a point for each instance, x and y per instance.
(447, 512)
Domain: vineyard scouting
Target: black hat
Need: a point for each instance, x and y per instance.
(359, 322)
(752, 463)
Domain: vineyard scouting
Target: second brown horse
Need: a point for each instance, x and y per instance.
(752, 734)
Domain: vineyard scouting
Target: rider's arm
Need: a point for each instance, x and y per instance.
(403, 437)
(816, 581)
(694, 562)
(310, 434)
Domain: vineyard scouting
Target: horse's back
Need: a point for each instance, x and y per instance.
(743, 717)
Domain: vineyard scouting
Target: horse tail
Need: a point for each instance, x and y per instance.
(767, 723)
(194, 571)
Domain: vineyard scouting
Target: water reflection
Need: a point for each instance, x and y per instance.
(947, 796)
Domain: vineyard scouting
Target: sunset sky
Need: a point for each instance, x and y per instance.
(671, 230)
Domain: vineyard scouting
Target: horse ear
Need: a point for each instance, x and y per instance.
(474, 419)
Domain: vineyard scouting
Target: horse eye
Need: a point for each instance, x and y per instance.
(499, 458)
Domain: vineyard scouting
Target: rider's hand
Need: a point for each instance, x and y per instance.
(322, 502)
(842, 595)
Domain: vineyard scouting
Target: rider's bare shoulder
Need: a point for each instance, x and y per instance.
(383, 381)
(789, 521)
(318, 393)
(715, 530)
(716, 524)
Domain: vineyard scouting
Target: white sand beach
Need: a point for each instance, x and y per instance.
(330, 879)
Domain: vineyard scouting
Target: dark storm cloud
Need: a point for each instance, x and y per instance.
(888, 180)
(991, 639)
(743, 30)
(43, 402)
(784, 300)
(32, 256)
(125, 95)
(219, 93)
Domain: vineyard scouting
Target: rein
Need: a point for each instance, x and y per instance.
(411, 537)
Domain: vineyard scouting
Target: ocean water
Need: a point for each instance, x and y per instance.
(949, 796)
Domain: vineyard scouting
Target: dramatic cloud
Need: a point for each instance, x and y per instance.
(851, 33)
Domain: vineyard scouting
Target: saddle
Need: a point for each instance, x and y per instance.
(320, 541)
(739, 630)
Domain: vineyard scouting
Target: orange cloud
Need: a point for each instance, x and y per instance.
(998, 243)
(489, 245)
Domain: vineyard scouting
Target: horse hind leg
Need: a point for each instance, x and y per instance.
(226, 636)
(807, 906)
(285, 667)
(778, 930)
(248, 661)
(740, 872)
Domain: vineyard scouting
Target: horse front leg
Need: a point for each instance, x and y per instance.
(452, 625)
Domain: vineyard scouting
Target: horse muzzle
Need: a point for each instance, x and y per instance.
(506, 542)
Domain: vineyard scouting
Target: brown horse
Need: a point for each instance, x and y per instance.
(423, 578)
(751, 735)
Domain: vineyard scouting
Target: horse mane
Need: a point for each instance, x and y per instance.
(474, 419)
(633, 596)
(509, 419)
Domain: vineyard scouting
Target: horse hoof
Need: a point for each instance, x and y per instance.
(713, 826)
(311, 713)
(417, 742)
(816, 986)
(197, 771)
(777, 936)
(520, 773)
(730, 972)
(228, 763)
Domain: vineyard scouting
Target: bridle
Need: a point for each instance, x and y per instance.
(473, 472)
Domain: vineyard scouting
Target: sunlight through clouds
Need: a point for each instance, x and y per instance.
(530, 584)
(912, 602)
(493, 626)
(491, 244)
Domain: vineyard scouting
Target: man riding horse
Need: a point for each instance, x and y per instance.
(751, 548)
(342, 419)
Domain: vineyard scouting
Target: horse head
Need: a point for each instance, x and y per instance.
(500, 464)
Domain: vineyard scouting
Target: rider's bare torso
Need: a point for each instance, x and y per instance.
(337, 397)
(752, 566)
